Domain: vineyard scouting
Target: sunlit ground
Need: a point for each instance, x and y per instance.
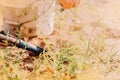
(85, 46)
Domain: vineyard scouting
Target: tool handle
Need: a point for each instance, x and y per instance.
(36, 49)
(22, 44)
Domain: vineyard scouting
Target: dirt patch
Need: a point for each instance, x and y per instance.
(99, 17)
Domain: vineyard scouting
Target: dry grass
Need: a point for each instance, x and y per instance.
(82, 50)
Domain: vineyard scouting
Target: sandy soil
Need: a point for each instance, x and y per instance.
(104, 13)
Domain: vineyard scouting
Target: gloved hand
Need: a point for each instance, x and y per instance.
(67, 4)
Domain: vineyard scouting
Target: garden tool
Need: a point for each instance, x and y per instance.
(22, 44)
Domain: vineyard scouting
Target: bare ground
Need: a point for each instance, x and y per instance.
(102, 14)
